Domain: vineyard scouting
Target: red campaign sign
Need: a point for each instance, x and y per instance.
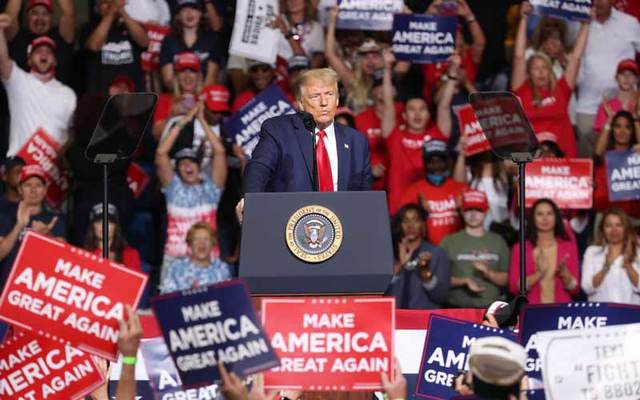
(470, 128)
(566, 181)
(33, 367)
(137, 179)
(151, 57)
(41, 149)
(337, 344)
(73, 295)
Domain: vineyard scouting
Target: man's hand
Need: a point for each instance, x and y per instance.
(23, 215)
(130, 334)
(525, 9)
(240, 210)
(232, 386)
(378, 170)
(5, 21)
(397, 389)
(42, 228)
(257, 390)
(473, 286)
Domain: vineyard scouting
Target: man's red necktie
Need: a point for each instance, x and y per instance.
(325, 178)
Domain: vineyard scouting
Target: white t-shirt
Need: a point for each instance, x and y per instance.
(609, 43)
(35, 104)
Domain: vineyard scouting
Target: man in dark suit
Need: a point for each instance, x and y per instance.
(283, 159)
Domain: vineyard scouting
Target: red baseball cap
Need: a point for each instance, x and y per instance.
(474, 199)
(216, 98)
(547, 137)
(32, 170)
(187, 60)
(41, 41)
(628, 65)
(46, 3)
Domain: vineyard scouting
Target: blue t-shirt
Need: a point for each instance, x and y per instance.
(183, 274)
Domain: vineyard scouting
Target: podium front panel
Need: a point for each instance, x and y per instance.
(362, 264)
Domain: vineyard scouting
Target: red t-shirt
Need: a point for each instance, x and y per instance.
(443, 217)
(405, 161)
(368, 123)
(601, 194)
(433, 72)
(552, 115)
(130, 258)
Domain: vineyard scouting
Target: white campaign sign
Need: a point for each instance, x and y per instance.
(591, 364)
(253, 37)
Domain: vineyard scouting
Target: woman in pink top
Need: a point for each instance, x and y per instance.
(552, 257)
(545, 100)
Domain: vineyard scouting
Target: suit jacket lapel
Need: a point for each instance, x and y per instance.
(344, 157)
(306, 146)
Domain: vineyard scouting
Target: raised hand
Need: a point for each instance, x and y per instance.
(397, 389)
(42, 228)
(130, 334)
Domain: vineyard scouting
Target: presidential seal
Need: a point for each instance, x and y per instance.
(314, 233)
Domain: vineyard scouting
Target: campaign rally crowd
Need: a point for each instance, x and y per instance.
(452, 204)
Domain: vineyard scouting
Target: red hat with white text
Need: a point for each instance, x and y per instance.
(187, 60)
(33, 170)
(216, 98)
(474, 200)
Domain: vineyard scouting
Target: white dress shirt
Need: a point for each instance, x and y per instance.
(616, 286)
(609, 43)
(332, 148)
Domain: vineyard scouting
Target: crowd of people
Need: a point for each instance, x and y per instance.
(454, 217)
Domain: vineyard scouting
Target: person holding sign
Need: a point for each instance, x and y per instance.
(552, 257)
(192, 196)
(200, 268)
(405, 142)
(31, 214)
(545, 100)
(621, 133)
(611, 267)
(421, 270)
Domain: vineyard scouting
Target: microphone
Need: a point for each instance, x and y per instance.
(308, 121)
(310, 124)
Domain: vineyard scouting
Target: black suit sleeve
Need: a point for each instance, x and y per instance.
(263, 163)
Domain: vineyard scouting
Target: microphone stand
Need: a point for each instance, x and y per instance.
(315, 162)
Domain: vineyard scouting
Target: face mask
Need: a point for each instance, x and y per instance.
(437, 179)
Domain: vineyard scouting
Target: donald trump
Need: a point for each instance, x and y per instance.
(283, 158)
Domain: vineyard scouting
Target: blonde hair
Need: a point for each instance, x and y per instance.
(538, 55)
(359, 89)
(325, 75)
(205, 227)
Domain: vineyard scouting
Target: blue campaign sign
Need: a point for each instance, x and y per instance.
(549, 317)
(163, 376)
(244, 126)
(623, 174)
(422, 38)
(445, 353)
(367, 15)
(212, 324)
(572, 10)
